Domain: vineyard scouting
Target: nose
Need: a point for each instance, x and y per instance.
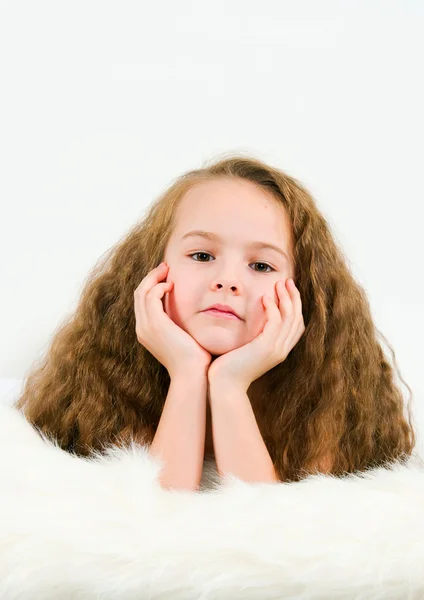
(227, 284)
(227, 279)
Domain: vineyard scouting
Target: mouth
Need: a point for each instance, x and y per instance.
(213, 312)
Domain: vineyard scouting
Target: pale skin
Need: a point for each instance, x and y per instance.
(229, 270)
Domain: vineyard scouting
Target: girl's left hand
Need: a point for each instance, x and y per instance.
(283, 329)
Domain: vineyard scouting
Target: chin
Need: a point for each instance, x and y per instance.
(217, 347)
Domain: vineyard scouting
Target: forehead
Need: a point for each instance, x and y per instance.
(232, 206)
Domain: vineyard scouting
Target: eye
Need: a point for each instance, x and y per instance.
(255, 263)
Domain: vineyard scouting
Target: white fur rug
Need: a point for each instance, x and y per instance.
(77, 529)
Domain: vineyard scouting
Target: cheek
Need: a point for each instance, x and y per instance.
(179, 302)
(255, 319)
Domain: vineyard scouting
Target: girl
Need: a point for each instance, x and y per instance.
(294, 382)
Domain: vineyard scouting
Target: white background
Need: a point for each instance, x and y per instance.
(103, 104)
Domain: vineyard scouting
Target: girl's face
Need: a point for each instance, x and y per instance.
(228, 269)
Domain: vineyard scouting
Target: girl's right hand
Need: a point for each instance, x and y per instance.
(173, 347)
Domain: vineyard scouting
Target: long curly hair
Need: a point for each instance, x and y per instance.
(334, 395)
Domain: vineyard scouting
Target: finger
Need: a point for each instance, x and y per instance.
(273, 317)
(298, 325)
(152, 278)
(270, 306)
(294, 337)
(297, 305)
(149, 282)
(285, 300)
(286, 314)
(153, 301)
(300, 330)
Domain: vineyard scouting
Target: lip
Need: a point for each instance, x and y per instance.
(221, 314)
(221, 310)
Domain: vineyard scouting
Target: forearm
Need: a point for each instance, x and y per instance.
(180, 436)
(238, 443)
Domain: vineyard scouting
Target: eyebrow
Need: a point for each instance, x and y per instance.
(214, 237)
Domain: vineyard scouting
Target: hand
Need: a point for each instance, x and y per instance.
(283, 329)
(174, 348)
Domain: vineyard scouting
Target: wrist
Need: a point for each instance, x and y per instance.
(224, 383)
(190, 373)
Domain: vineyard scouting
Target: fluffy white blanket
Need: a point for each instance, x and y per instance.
(75, 528)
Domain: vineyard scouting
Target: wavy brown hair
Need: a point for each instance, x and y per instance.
(334, 396)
